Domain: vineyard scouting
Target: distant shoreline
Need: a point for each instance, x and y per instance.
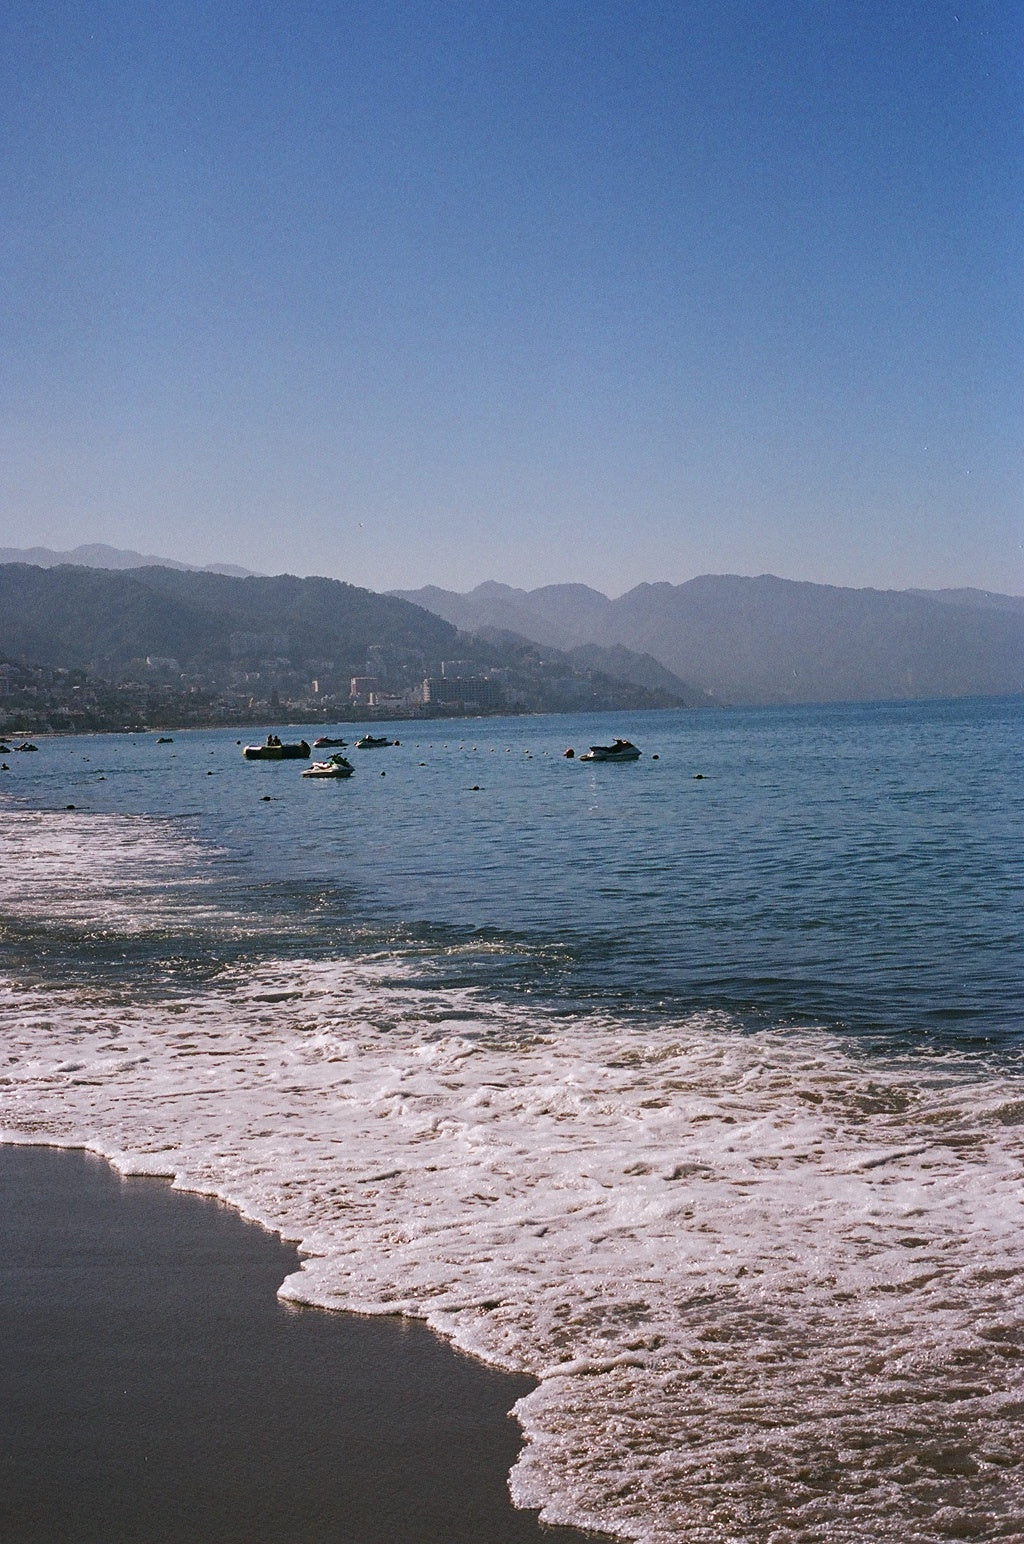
(368, 716)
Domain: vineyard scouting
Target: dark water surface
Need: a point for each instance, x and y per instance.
(857, 866)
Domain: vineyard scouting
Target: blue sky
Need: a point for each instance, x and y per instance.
(432, 292)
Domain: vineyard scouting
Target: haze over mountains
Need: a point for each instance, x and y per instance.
(166, 645)
(98, 555)
(770, 640)
(714, 639)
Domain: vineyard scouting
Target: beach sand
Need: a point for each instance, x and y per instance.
(153, 1388)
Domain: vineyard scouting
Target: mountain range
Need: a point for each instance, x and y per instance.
(270, 645)
(771, 640)
(716, 639)
(98, 555)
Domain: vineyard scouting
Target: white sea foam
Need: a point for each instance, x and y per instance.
(112, 872)
(771, 1288)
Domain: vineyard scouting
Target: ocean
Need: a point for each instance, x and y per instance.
(692, 1087)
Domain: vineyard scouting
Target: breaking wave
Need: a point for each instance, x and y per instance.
(770, 1283)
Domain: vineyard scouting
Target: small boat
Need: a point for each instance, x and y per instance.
(274, 750)
(26, 746)
(337, 766)
(622, 750)
(372, 742)
(324, 740)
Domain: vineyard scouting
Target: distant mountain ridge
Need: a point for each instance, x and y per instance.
(563, 616)
(287, 641)
(98, 555)
(718, 638)
(771, 640)
(987, 599)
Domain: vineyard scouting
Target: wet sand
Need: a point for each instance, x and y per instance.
(154, 1390)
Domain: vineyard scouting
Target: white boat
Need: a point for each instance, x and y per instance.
(622, 750)
(337, 766)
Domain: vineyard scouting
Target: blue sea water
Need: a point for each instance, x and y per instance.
(857, 866)
(781, 950)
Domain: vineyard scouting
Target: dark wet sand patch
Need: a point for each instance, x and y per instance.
(154, 1390)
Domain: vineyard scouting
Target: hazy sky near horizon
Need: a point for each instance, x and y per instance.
(411, 292)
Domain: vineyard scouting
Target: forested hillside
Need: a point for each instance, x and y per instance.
(300, 648)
